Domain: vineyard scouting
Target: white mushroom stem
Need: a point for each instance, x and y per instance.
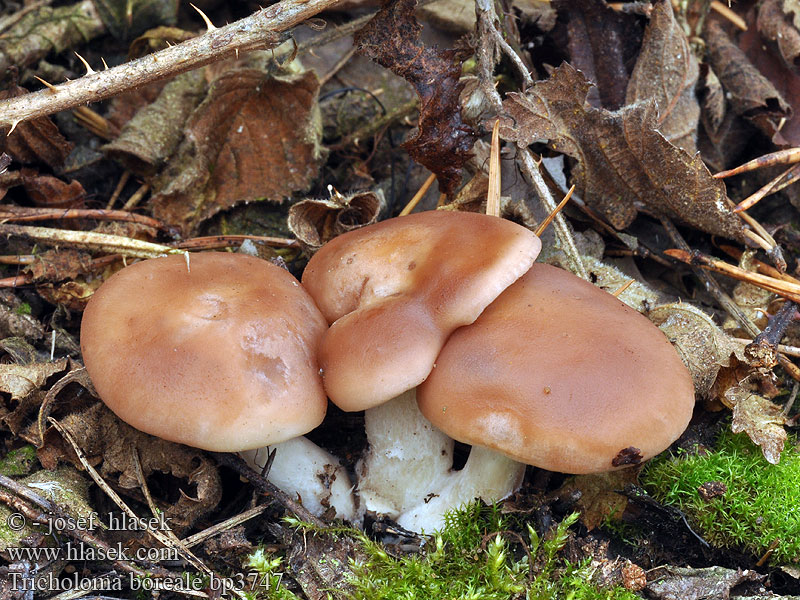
(407, 460)
(487, 475)
(317, 477)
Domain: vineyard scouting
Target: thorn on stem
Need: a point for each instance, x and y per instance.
(89, 70)
(206, 20)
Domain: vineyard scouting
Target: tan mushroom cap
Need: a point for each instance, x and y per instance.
(220, 357)
(396, 290)
(559, 374)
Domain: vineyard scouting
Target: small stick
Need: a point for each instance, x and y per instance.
(158, 535)
(786, 178)
(126, 175)
(766, 342)
(762, 267)
(337, 67)
(790, 402)
(726, 12)
(137, 196)
(549, 219)
(787, 289)
(202, 536)
(27, 214)
(783, 349)
(563, 234)
(18, 259)
(493, 193)
(412, 204)
(261, 30)
(781, 157)
(226, 241)
(618, 292)
(103, 242)
(711, 284)
(265, 486)
(757, 239)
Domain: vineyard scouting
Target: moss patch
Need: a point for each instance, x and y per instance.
(479, 554)
(756, 507)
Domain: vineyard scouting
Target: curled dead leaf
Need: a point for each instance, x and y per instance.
(748, 91)
(316, 222)
(759, 418)
(780, 31)
(37, 140)
(622, 157)
(443, 141)
(667, 72)
(701, 344)
(19, 381)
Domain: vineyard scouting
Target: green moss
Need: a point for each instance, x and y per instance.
(478, 555)
(18, 462)
(760, 507)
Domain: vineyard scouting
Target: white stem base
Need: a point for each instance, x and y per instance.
(408, 458)
(488, 475)
(301, 468)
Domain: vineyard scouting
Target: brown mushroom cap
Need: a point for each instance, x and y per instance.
(220, 357)
(559, 374)
(395, 291)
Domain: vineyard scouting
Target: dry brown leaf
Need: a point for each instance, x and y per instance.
(57, 265)
(602, 43)
(443, 141)
(701, 344)
(667, 72)
(785, 80)
(22, 380)
(316, 222)
(254, 137)
(678, 583)
(34, 141)
(778, 29)
(748, 91)
(73, 295)
(622, 158)
(102, 436)
(599, 498)
(49, 191)
(759, 418)
(153, 133)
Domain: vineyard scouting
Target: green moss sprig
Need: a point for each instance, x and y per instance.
(759, 508)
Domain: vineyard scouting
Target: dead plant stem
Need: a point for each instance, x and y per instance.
(261, 30)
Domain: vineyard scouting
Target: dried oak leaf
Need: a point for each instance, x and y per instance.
(602, 43)
(759, 418)
(316, 222)
(748, 91)
(34, 141)
(443, 141)
(622, 158)
(254, 137)
(667, 72)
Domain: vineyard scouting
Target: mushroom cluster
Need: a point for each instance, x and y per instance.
(527, 363)
(438, 325)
